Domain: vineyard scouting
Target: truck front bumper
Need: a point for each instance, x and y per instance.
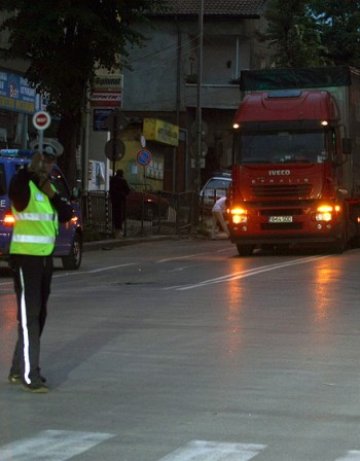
(290, 227)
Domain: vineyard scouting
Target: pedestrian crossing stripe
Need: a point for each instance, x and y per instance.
(57, 445)
(201, 450)
(352, 455)
(52, 445)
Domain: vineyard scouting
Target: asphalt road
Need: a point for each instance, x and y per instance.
(182, 351)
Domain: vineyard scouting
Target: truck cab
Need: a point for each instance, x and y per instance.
(68, 244)
(293, 181)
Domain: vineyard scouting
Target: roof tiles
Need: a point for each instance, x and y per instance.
(243, 8)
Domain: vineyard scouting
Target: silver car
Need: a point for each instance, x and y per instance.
(213, 189)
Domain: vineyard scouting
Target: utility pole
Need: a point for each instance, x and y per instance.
(198, 102)
(198, 139)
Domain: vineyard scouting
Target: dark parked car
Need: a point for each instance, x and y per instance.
(143, 203)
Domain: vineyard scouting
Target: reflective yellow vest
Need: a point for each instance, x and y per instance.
(36, 227)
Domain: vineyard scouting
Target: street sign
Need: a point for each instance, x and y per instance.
(41, 120)
(114, 149)
(144, 157)
(204, 129)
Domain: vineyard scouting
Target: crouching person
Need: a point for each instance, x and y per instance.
(218, 212)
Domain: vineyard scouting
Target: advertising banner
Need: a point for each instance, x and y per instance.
(161, 131)
(16, 94)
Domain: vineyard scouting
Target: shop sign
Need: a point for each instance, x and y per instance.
(100, 117)
(111, 82)
(160, 131)
(105, 99)
(107, 91)
(16, 94)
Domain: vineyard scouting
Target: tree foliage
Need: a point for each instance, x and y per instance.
(64, 41)
(339, 27)
(305, 33)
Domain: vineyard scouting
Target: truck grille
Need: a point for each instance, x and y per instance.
(281, 190)
(281, 226)
(281, 212)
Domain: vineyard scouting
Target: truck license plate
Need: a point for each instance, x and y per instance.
(280, 219)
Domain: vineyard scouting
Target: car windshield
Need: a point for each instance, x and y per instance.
(216, 184)
(281, 147)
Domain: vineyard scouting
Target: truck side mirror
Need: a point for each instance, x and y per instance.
(346, 146)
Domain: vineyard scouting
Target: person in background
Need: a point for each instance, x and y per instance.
(218, 211)
(37, 208)
(119, 190)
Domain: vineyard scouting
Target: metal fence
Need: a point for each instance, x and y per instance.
(178, 219)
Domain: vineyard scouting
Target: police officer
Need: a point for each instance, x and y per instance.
(38, 208)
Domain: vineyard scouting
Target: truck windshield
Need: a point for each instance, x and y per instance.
(280, 147)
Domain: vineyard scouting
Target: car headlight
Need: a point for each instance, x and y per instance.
(9, 219)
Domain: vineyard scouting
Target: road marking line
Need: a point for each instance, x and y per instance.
(93, 271)
(352, 455)
(246, 273)
(165, 260)
(107, 268)
(72, 274)
(200, 450)
(175, 258)
(52, 445)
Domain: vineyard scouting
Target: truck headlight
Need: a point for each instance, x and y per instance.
(326, 213)
(239, 215)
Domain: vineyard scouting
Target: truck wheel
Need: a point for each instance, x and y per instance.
(73, 260)
(244, 250)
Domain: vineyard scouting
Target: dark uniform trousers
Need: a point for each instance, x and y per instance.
(32, 279)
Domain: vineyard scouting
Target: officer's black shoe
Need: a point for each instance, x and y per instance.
(15, 378)
(36, 388)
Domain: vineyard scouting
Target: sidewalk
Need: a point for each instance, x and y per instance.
(137, 232)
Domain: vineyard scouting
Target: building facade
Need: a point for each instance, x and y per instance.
(159, 88)
(162, 81)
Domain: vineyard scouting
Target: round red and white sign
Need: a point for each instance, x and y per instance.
(41, 120)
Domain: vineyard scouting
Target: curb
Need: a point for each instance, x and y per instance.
(114, 243)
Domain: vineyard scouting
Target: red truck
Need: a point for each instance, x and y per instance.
(296, 162)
